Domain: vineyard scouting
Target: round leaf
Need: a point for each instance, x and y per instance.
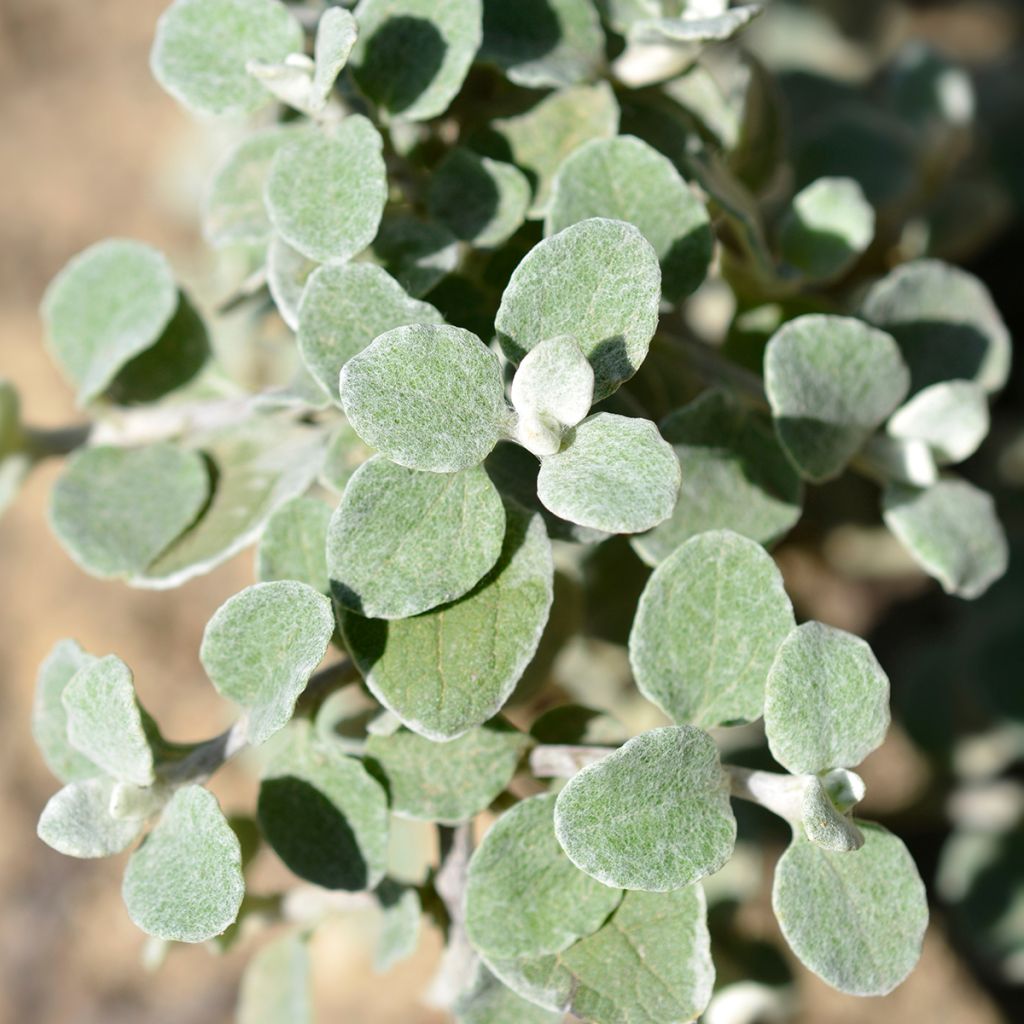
(402, 542)
(524, 897)
(109, 304)
(202, 47)
(826, 702)
(735, 477)
(185, 883)
(413, 55)
(261, 647)
(654, 815)
(326, 193)
(77, 822)
(951, 417)
(276, 986)
(116, 509)
(344, 308)
(856, 919)
(951, 530)
(293, 544)
(488, 1001)
(428, 396)
(323, 814)
(446, 782)
(599, 282)
(454, 667)
(945, 322)
(613, 473)
(626, 179)
(707, 627)
(831, 381)
(336, 35)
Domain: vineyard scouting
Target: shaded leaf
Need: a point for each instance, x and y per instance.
(400, 925)
(294, 542)
(488, 1001)
(276, 985)
(288, 271)
(416, 253)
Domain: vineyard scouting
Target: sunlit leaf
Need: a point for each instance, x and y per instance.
(77, 822)
(951, 417)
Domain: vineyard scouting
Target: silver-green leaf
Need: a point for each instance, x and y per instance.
(951, 417)
(77, 822)
(707, 628)
(276, 985)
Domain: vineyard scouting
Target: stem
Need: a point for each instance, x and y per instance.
(42, 444)
(563, 761)
(458, 960)
(780, 794)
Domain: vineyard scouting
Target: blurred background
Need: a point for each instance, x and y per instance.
(90, 147)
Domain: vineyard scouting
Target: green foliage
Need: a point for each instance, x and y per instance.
(293, 544)
(276, 985)
(77, 822)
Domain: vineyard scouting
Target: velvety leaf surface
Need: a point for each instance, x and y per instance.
(454, 667)
(202, 47)
(108, 304)
(115, 510)
(336, 35)
(399, 936)
(599, 282)
(653, 815)
(105, 722)
(952, 531)
(626, 179)
(326, 193)
(344, 308)
(856, 919)
(826, 702)
(294, 542)
(276, 985)
(413, 55)
(323, 813)
(428, 396)
(831, 381)
(543, 43)
(402, 541)
(613, 473)
(649, 964)
(184, 883)
(707, 627)
(50, 720)
(77, 822)
(945, 322)
(540, 139)
(735, 477)
(525, 898)
(951, 417)
(488, 1001)
(261, 647)
(481, 201)
(288, 271)
(824, 825)
(446, 782)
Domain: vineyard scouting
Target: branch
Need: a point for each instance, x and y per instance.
(563, 761)
(780, 794)
(458, 960)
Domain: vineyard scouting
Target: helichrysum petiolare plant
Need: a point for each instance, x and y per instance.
(495, 240)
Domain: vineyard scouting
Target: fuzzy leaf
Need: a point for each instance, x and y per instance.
(115, 510)
(701, 27)
(413, 55)
(336, 35)
(287, 273)
(826, 702)
(259, 466)
(650, 963)
(108, 304)
(831, 381)
(945, 322)
(446, 782)
(613, 473)
(707, 627)
(626, 179)
(654, 815)
(202, 47)
(323, 814)
(735, 477)
(105, 722)
(951, 417)
(293, 543)
(524, 897)
(857, 918)
(184, 883)
(552, 389)
(952, 531)
(261, 647)
(543, 43)
(276, 985)
(344, 308)
(401, 911)
(823, 824)
(326, 193)
(50, 720)
(599, 282)
(540, 139)
(488, 1001)
(827, 227)
(399, 394)
(234, 212)
(481, 201)
(77, 822)
(402, 541)
(454, 667)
